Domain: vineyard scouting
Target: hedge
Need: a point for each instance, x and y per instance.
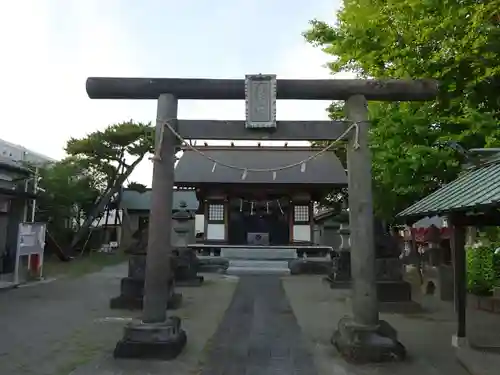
(483, 268)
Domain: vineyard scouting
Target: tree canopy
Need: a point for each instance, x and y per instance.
(454, 41)
(76, 190)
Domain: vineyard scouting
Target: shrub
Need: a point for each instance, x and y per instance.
(483, 269)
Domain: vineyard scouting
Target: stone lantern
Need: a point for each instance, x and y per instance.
(342, 263)
(132, 286)
(341, 267)
(185, 260)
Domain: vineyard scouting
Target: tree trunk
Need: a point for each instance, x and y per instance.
(103, 202)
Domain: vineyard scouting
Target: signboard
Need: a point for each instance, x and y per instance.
(31, 243)
(260, 101)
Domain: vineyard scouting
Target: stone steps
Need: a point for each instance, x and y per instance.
(261, 267)
(278, 254)
(258, 260)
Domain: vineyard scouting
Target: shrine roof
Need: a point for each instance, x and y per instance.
(194, 168)
(476, 188)
(141, 201)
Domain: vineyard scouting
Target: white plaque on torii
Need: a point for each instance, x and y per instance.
(260, 101)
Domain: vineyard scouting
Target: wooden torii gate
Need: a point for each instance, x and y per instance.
(362, 337)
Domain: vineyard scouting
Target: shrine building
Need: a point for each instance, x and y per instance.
(265, 208)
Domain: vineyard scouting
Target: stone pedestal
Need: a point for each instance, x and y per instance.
(132, 287)
(446, 286)
(163, 341)
(309, 266)
(362, 344)
(390, 284)
(186, 268)
(185, 260)
(340, 276)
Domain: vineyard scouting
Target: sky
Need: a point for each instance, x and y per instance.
(50, 47)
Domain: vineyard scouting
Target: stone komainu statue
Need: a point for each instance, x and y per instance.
(386, 246)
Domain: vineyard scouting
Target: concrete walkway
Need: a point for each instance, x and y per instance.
(259, 334)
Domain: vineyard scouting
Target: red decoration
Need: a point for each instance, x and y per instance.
(424, 234)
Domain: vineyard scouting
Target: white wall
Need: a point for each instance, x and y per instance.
(216, 232)
(199, 223)
(302, 232)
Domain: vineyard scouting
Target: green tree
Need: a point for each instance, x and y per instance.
(454, 41)
(112, 154)
(66, 195)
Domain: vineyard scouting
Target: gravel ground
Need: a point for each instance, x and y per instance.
(427, 337)
(53, 328)
(202, 310)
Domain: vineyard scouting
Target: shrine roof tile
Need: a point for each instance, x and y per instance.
(475, 188)
(325, 169)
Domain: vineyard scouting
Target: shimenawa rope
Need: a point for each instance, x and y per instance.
(166, 123)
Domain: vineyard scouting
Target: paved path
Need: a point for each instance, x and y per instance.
(259, 334)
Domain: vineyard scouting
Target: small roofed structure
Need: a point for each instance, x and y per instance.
(247, 207)
(473, 199)
(15, 195)
(136, 205)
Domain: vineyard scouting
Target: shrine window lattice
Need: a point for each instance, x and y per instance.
(301, 214)
(216, 212)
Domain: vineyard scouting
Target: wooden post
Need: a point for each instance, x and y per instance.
(158, 270)
(364, 290)
(459, 275)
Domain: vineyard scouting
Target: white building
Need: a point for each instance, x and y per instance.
(21, 154)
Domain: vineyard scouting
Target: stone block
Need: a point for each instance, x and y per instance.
(496, 305)
(362, 344)
(137, 267)
(334, 284)
(185, 266)
(309, 267)
(164, 341)
(132, 293)
(123, 302)
(485, 303)
(389, 269)
(196, 281)
(446, 286)
(132, 287)
(496, 292)
(341, 266)
(393, 291)
(213, 264)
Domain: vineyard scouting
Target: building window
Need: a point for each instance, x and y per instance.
(216, 212)
(301, 214)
